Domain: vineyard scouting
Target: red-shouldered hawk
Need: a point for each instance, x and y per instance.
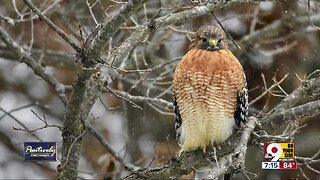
(210, 90)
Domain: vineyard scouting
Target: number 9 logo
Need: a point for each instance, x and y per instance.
(275, 150)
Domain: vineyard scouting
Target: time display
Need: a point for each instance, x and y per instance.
(279, 165)
(270, 165)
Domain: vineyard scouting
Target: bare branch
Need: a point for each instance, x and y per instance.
(20, 123)
(53, 26)
(92, 15)
(183, 165)
(143, 32)
(268, 90)
(310, 20)
(118, 48)
(105, 144)
(97, 45)
(276, 26)
(44, 120)
(29, 61)
(50, 57)
(283, 117)
(159, 101)
(303, 174)
(188, 161)
(82, 98)
(238, 156)
(308, 90)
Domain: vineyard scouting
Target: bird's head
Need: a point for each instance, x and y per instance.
(211, 38)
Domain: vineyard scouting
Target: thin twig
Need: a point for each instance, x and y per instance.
(225, 31)
(72, 144)
(29, 61)
(21, 124)
(46, 125)
(54, 27)
(32, 36)
(159, 101)
(124, 96)
(18, 109)
(92, 15)
(268, 89)
(106, 145)
(254, 19)
(303, 174)
(309, 8)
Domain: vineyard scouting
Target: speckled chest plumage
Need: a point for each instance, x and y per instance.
(206, 86)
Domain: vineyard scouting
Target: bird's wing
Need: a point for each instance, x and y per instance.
(177, 122)
(241, 113)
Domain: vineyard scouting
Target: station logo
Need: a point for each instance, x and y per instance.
(279, 156)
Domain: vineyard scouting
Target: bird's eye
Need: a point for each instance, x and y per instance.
(219, 41)
(204, 40)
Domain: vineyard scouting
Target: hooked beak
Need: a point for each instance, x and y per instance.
(213, 42)
(213, 45)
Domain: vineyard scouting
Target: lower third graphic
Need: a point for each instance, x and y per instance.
(40, 151)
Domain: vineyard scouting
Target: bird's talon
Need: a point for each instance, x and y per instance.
(204, 150)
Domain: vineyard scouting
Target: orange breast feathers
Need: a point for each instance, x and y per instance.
(205, 85)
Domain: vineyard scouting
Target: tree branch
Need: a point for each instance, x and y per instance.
(278, 119)
(187, 162)
(275, 28)
(162, 102)
(106, 145)
(143, 31)
(53, 26)
(48, 57)
(85, 93)
(95, 47)
(29, 61)
(307, 91)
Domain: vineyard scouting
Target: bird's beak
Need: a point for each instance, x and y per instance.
(212, 42)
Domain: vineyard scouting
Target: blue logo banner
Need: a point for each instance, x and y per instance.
(40, 151)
